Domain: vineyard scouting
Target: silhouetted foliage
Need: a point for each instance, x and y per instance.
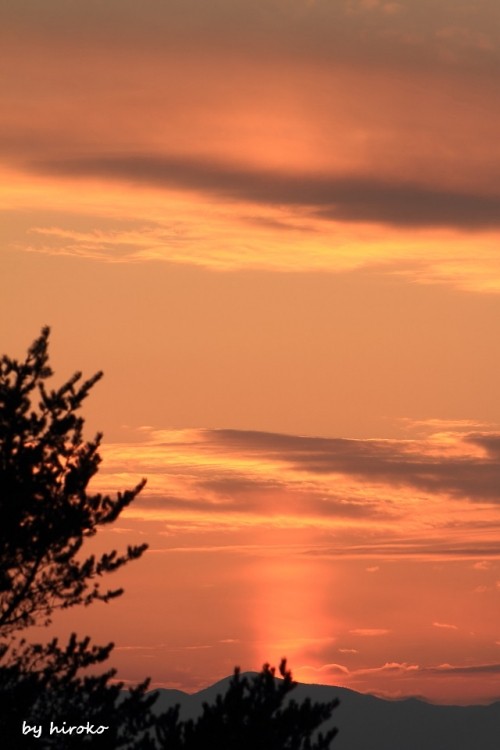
(45, 509)
(46, 513)
(42, 683)
(254, 714)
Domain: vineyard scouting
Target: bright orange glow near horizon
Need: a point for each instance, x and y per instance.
(275, 227)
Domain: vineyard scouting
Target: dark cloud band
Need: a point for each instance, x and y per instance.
(331, 196)
(396, 463)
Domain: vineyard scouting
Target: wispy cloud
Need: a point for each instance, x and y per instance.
(428, 466)
(478, 669)
(419, 498)
(333, 196)
(336, 197)
(395, 678)
(445, 626)
(299, 146)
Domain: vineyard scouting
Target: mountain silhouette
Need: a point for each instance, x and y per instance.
(369, 723)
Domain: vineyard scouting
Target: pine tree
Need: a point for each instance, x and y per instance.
(45, 508)
(46, 514)
(255, 713)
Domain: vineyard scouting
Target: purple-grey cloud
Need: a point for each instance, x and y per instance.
(332, 196)
(439, 32)
(395, 463)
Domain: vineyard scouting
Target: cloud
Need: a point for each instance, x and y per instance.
(449, 669)
(391, 669)
(425, 466)
(440, 548)
(482, 565)
(433, 426)
(328, 669)
(490, 443)
(282, 132)
(442, 32)
(370, 632)
(333, 196)
(163, 647)
(144, 241)
(444, 625)
(310, 498)
(400, 669)
(405, 679)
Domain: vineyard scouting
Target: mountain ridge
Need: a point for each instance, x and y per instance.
(368, 722)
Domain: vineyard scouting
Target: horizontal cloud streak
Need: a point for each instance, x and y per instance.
(395, 671)
(332, 196)
(291, 525)
(278, 138)
(440, 32)
(409, 463)
(322, 498)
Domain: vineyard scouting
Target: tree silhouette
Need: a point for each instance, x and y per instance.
(46, 513)
(255, 713)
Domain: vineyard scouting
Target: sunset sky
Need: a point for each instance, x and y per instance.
(275, 226)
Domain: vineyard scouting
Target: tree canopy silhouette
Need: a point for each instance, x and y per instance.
(46, 513)
(255, 713)
(46, 510)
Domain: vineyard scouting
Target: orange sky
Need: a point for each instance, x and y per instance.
(275, 227)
